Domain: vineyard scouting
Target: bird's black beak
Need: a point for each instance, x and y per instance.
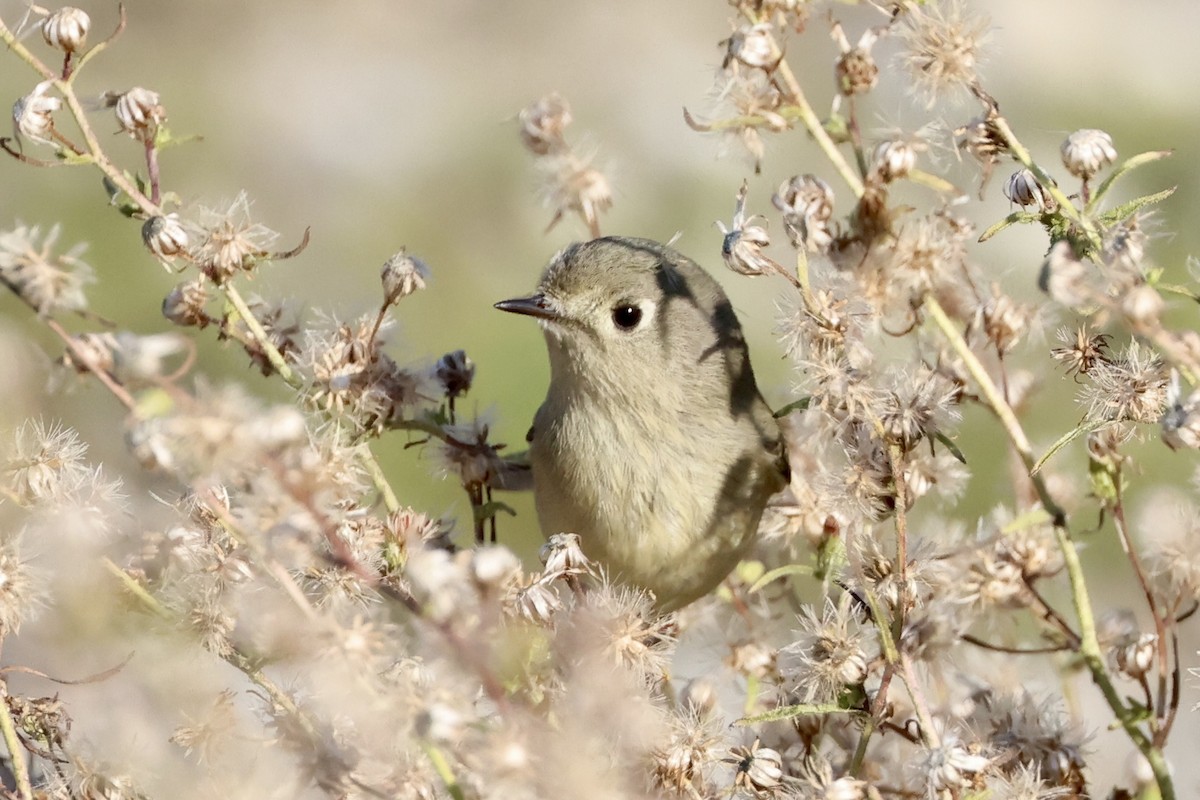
(532, 306)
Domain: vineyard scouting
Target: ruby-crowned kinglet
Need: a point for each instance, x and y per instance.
(653, 444)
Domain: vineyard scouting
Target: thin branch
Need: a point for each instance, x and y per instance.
(12, 741)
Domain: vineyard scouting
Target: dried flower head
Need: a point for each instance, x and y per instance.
(20, 593)
(165, 236)
(683, 762)
(1142, 305)
(807, 205)
(742, 245)
(1064, 277)
(402, 275)
(855, 69)
(1024, 189)
(830, 653)
(753, 46)
(752, 95)
(543, 123)
(538, 601)
(562, 554)
(954, 765)
(66, 29)
(1181, 422)
(984, 142)
(31, 114)
(757, 769)
(48, 283)
(230, 241)
(1175, 560)
(1082, 350)
(44, 463)
(1085, 152)
(139, 113)
(893, 159)
(1130, 387)
(184, 305)
(455, 371)
(942, 47)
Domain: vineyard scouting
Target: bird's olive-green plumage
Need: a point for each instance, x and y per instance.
(653, 444)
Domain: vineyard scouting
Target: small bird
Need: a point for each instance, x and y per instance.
(653, 443)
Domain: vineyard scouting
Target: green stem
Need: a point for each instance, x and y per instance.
(1089, 644)
(809, 117)
(1093, 657)
(1065, 205)
(441, 765)
(234, 658)
(256, 329)
(995, 400)
(390, 501)
(12, 741)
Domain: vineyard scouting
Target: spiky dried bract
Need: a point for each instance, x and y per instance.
(832, 653)
(230, 241)
(684, 763)
(747, 96)
(1035, 734)
(1129, 387)
(351, 375)
(49, 283)
(44, 463)
(943, 48)
(1081, 350)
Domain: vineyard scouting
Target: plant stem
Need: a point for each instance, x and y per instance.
(12, 741)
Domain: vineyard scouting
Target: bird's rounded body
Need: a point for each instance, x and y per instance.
(653, 443)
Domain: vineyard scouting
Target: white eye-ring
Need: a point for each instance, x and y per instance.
(627, 315)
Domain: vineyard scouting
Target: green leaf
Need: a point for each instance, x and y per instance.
(163, 138)
(798, 710)
(1083, 427)
(1037, 516)
(1181, 291)
(780, 572)
(489, 510)
(1127, 210)
(951, 446)
(1022, 217)
(1126, 166)
(799, 405)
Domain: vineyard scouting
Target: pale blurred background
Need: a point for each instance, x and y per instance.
(388, 124)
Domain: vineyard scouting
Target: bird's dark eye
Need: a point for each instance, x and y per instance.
(626, 316)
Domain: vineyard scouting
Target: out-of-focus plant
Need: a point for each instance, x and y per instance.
(384, 662)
